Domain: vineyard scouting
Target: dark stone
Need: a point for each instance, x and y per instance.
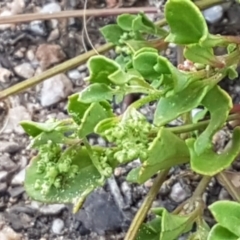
(100, 213)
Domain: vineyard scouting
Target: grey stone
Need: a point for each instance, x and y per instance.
(178, 193)
(100, 213)
(9, 147)
(55, 89)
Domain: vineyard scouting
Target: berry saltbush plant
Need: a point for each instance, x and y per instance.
(67, 168)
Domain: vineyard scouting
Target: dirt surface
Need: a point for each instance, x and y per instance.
(27, 50)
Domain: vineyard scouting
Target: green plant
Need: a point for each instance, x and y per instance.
(68, 176)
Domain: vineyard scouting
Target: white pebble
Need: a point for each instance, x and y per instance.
(25, 70)
(57, 226)
(55, 89)
(19, 178)
(178, 194)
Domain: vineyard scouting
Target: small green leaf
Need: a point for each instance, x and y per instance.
(73, 188)
(179, 79)
(34, 128)
(227, 214)
(204, 55)
(94, 114)
(169, 108)
(125, 21)
(112, 33)
(96, 92)
(119, 77)
(100, 68)
(106, 124)
(150, 230)
(219, 103)
(136, 45)
(186, 22)
(220, 233)
(76, 109)
(144, 63)
(202, 230)
(143, 24)
(45, 137)
(165, 158)
(172, 226)
(211, 163)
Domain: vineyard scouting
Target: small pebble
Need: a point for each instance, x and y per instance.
(57, 226)
(19, 178)
(178, 193)
(55, 89)
(25, 70)
(213, 14)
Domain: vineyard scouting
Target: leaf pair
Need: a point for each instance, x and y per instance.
(165, 226)
(227, 215)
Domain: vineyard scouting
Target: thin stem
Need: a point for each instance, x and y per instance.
(74, 62)
(142, 212)
(199, 125)
(139, 103)
(201, 187)
(20, 18)
(229, 186)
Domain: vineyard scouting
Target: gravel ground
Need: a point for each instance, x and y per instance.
(29, 49)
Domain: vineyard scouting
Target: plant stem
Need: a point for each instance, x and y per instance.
(20, 18)
(63, 67)
(199, 125)
(226, 183)
(201, 187)
(142, 212)
(208, 3)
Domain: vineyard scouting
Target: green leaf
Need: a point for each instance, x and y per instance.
(211, 163)
(112, 33)
(202, 230)
(204, 55)
(144, 63)
(76, 109)
(220, 233)
(179, 79)
(94, 114)
(150, 230)
(173, 151)
(227, 214)
(219, 103)
(172, 226)
(169, 108)
(125, 21)
(100, 68)
(96, 92)
(106, 124)
(136, 45)
(119, 77)
(87, 178)
(143, 24)
(186, 22)
(34, 128)
(45, 137)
